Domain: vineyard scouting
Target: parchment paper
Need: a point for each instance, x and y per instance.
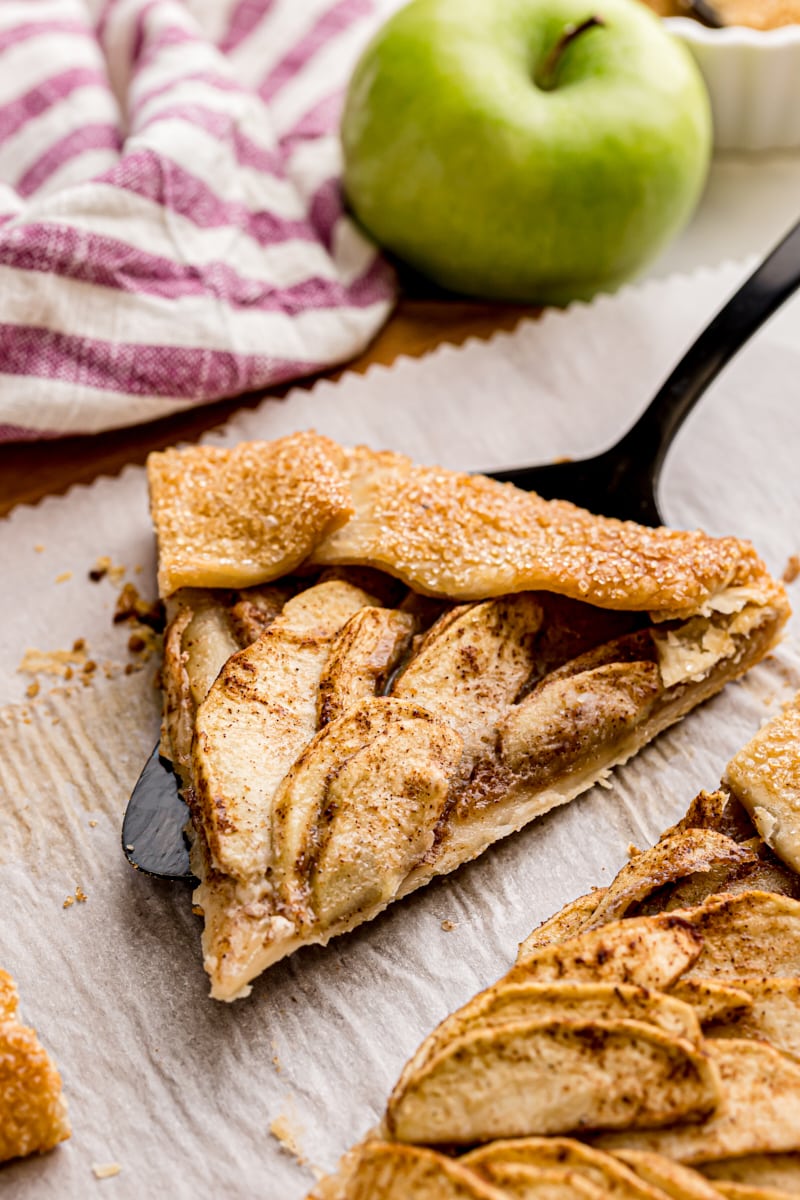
(177, 1089)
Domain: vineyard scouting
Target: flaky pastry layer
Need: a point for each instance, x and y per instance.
(467, 537)
(242, 516)
(232, 517)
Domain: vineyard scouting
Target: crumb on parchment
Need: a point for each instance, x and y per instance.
(54, 662)
(633, 851)
(283, 1131)
(64, 576)
(105, 567)
(106, 1170)
(39, 548)
(792, 569)
(131, 606)
(448, 926)
(32, 690)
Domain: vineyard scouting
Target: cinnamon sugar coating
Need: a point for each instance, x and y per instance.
(33, 1112)
(467, 537)
(231, 517)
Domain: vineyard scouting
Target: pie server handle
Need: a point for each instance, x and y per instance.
(153, 837)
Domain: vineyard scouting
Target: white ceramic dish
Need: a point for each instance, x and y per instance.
(753, 78)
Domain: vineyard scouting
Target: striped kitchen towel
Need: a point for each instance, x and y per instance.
(171, 222)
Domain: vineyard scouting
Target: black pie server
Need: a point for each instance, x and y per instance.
(620, 482)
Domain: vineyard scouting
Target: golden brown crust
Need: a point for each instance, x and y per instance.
(9, 997)
(241, 516)
(232, 517)
(765, 776)
(33, 1112)
(468, 537)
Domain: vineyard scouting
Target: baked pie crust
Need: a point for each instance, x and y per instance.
(33, 1112)
(451, 658)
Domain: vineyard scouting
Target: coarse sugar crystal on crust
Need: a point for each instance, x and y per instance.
(231, 517)
(33, 1112)
(468, 537)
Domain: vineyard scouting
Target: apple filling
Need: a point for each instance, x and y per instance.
(339, 752)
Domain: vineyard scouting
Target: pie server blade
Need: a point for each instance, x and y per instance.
(620, 482)
(153, 836)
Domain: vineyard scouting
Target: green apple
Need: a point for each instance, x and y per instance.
(535, 150)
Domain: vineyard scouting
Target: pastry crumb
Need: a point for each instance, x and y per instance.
(64, 576)
(144, 642)
(106, 1170)
(80, 895)
(54, 662)
(283, 1132)
(92, 823)
(105, 567)
(131, 606)
(68, 903)
(792, 569)
(39, 548)
(633, 851)
(448, 926)
(32, 689)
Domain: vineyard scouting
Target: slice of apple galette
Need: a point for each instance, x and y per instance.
(373, 670)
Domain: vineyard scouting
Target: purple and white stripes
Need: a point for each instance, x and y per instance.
(171, 223)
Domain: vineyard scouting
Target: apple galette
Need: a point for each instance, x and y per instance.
(33, 1112)
(645, 1045)
(446, 658)
(757, 14)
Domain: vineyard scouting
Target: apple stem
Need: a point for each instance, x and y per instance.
(706, 12)
(547, 75)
